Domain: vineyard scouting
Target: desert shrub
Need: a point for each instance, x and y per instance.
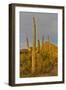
(46, 63)
(25, 64)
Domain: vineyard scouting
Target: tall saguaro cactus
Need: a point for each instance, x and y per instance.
(27, 42)
(33, 44)
(42, 41)
(38, 43)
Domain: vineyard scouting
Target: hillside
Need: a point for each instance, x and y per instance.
(46, 61)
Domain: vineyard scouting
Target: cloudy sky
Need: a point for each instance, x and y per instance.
(46, 23)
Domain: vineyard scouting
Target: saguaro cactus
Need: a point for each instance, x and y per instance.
(33, 44)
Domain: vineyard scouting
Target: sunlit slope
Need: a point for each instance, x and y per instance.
(46, 61)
